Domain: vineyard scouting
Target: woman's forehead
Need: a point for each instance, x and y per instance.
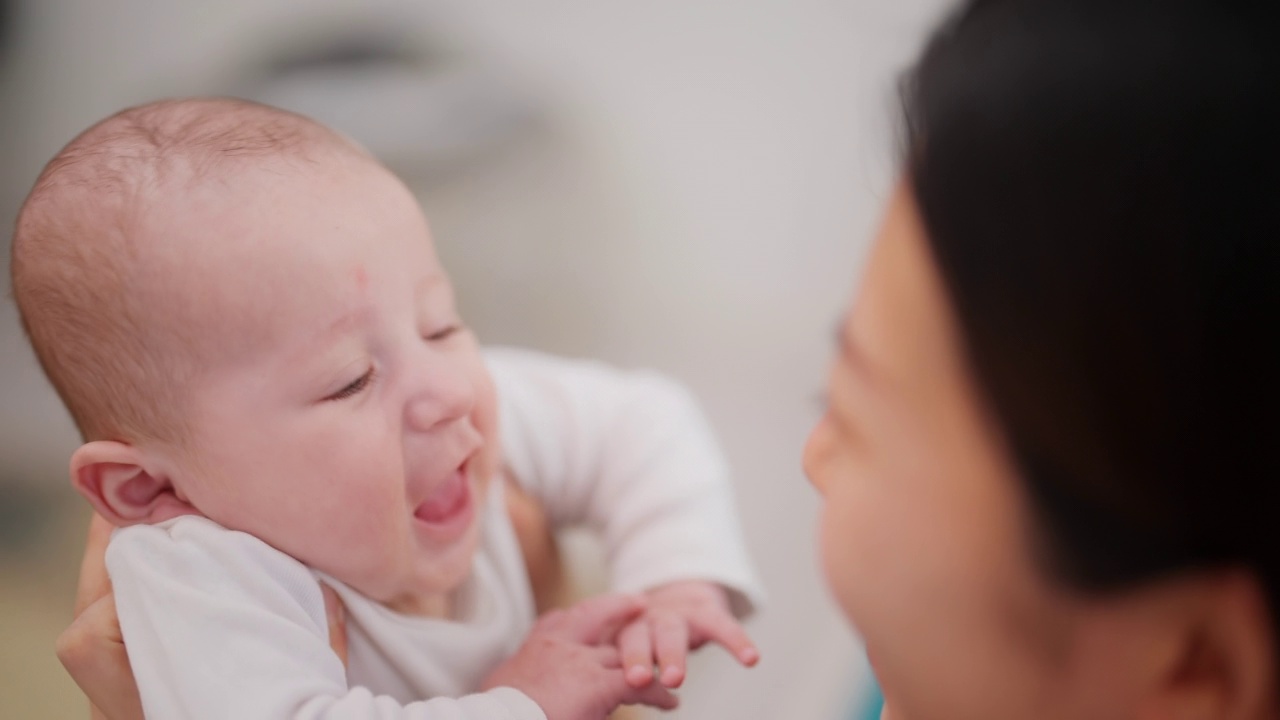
(901, 322)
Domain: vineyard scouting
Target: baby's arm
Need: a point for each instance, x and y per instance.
(630, 455)
(220, 625)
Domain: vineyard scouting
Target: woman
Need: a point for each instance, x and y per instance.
(1047, 465)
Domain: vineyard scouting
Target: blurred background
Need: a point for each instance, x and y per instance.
(686, 185)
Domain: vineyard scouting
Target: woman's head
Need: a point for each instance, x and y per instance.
(1048, 462)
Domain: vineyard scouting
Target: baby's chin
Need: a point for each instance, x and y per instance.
(442, 570)
(434, 580)
(443, 558)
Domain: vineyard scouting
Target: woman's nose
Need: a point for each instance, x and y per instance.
(815, 451)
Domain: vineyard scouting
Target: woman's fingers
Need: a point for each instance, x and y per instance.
(92, 651)
(94, 582)
(336, 613)
(92, 648)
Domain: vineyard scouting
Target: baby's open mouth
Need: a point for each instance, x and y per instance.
(448, 503)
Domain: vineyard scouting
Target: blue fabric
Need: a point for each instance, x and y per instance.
(872, 704)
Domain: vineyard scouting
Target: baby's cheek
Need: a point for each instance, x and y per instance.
(365, 543)
(484, 415)
(366, 496)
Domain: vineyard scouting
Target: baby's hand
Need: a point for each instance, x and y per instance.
(565, 670)
(681, 616)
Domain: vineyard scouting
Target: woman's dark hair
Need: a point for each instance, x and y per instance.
(1100, 184)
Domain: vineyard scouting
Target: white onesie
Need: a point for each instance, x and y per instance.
(221, 625)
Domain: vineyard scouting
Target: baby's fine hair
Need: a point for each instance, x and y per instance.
(104, 329)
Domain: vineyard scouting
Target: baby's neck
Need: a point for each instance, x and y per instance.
(435, 605)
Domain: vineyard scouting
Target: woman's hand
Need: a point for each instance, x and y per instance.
(92, 648)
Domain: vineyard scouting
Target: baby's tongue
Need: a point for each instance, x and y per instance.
(445, 501)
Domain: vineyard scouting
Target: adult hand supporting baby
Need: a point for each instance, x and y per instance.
(569, 666)
(681, 616)
(92, 647)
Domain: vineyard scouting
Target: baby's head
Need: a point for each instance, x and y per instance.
(245, 316)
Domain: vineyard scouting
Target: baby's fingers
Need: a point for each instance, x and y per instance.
(671, 645)
(635, 645)
(595, 620)
(720, 627)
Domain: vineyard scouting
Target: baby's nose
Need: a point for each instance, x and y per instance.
(443, 397)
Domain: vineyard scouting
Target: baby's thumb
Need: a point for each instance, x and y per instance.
(597, 619)
(654, 695)
(336, 614)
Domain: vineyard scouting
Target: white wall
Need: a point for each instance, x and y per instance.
(697, 198)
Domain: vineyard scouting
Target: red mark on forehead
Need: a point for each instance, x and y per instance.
(362, 278)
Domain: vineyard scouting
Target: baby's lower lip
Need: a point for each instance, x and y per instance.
(447, 512)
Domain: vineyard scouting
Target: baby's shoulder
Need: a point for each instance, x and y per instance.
(192, 530)
(191, 546)
(191, 567)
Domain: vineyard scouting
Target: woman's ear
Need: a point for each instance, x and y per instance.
(1226, 666)
(125, 485)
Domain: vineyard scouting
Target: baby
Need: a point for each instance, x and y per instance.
(244, 315)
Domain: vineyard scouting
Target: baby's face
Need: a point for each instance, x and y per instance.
(345, 415)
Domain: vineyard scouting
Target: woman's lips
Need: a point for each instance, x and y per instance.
(447, 513)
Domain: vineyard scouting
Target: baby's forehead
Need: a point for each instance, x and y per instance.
(172, 144)
(111, 180)
(211, 201)
(255, 253)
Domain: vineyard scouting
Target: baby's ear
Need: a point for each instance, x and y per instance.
(125, 485)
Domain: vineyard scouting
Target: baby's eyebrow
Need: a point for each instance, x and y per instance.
(317, 343)
(341, 324)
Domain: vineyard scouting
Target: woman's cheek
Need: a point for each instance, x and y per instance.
(840, 540)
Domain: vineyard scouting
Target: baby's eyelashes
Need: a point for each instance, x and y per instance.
(354, 387)
(443, 333)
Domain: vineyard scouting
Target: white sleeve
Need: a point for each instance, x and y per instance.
(629, 455)
(221, 625)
